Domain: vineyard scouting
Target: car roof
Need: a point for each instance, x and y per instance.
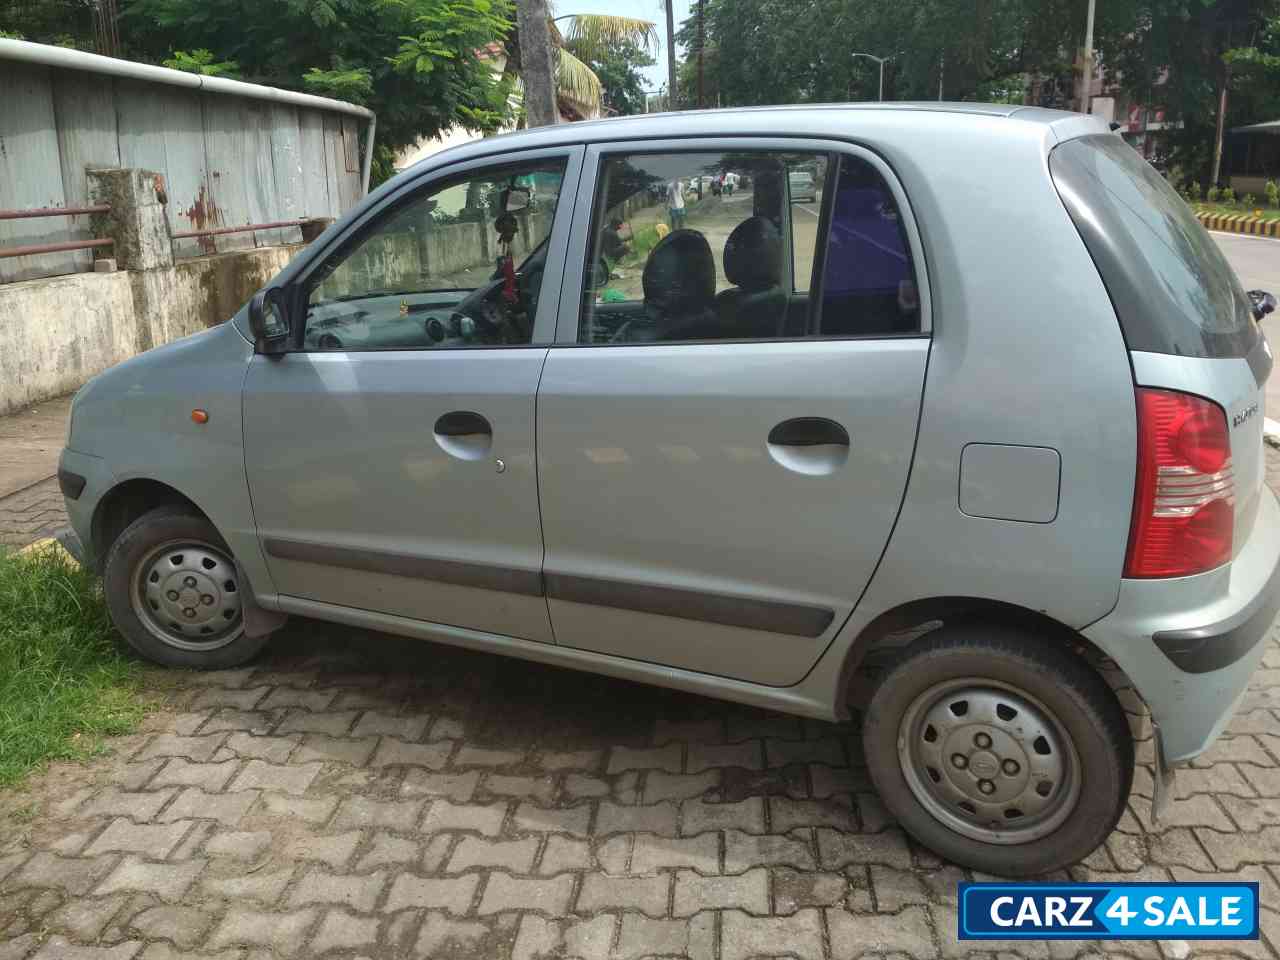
(730, 120)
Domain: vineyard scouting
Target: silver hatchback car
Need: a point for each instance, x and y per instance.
(970, 444)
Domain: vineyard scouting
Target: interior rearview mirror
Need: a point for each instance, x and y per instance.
(269, 320)
(515, 199)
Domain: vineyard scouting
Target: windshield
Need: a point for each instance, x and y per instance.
(1172, 288)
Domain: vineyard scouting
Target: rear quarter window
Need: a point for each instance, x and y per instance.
(1171, 286)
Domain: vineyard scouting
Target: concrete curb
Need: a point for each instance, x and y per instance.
(1239, 223)
(64, 542)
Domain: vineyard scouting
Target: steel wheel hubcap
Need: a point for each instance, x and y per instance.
(187, 595)
(989, 761)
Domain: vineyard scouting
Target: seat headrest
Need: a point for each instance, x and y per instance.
(753, 254)
(680, 274)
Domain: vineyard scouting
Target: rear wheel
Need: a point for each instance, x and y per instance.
(174, 592)
(999, 751)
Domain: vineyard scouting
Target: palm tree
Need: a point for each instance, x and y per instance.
(585, 37)
(582, 37)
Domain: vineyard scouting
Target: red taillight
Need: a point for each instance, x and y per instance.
(1184, 501)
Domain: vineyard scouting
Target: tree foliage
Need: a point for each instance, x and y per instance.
(1163, 53)
(201, 61)
(63, 23)
(773, 51)
(618, 66)
(581, 41)
(1177, 54)
(416, 63)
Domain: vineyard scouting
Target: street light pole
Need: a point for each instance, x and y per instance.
(1087, 80)
(881, 61)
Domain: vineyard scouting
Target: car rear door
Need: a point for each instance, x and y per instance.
(718, 481)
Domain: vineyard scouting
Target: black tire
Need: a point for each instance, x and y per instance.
(140, 540)
(1058, 685)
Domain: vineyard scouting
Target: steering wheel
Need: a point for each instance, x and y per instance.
(494, 323)
(497, 321)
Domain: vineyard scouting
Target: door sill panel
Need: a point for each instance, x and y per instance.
(770, 698)
(749, 613)
(482, 576)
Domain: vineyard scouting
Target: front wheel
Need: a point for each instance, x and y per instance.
(174, 592)
(999, 750)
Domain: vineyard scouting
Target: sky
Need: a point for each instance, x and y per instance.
(656, 75)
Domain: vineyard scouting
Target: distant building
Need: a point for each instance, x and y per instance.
(1251, 157)
(1142, 122)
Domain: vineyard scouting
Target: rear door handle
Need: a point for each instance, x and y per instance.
(809, 432)
(463, 423)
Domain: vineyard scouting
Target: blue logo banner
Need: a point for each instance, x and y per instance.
(1108, 911)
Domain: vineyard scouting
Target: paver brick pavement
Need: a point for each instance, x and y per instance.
(362, 796)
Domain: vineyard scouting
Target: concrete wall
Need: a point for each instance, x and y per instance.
(55, 334)
(58, 332)
(203, 291)
(439, 252)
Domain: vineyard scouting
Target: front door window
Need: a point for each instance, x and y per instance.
(458, 266)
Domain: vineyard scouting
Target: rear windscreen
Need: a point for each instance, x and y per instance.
(1172, 288)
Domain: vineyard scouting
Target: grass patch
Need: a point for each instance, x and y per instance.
(642, 241)
(64, 682)
(1238, 209)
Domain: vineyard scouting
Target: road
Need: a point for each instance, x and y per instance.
(1257, 263)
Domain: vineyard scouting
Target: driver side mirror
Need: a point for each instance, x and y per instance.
(269, 321)
(1263, 303)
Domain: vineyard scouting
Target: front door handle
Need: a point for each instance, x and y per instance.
(809, 432)
(463, 423)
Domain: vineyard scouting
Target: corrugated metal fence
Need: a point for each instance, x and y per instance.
(227, 160)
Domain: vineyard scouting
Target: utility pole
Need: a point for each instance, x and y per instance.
(702, 42)
(1217, 137)
(1222, 114)
(1087, 80)
(942, 65)
(879, 60)
(671, 55)
(537, 66)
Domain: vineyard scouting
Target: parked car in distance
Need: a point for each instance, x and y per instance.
(760, 462)
(803, 188)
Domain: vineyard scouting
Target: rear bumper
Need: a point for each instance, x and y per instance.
(1190, 645)
(1218, 645)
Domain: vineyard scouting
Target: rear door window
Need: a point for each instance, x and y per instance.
(1171, 286)
(745, 245)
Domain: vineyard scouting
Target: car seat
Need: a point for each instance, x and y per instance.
(679, 282)
(756, 306)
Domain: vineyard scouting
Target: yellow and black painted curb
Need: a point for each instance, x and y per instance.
(1240, 223)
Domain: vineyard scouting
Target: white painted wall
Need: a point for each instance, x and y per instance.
(57, 333)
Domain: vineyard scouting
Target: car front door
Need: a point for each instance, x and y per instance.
(390, 453)
(726, 422)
